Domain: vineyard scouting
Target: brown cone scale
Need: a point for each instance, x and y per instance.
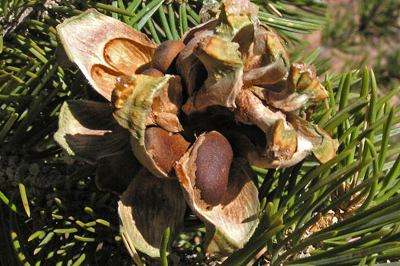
(165, 148)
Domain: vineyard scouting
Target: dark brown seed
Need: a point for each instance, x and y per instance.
(214, 158)
(164, 147)
(165, 54)
(143, 67)
(153, 72)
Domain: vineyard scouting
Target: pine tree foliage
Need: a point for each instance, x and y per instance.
(345, 212)
(370, 26)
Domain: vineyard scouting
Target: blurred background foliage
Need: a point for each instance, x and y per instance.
(346, 211)
(366, 32)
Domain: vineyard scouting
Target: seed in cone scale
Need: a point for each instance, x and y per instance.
(214, 158)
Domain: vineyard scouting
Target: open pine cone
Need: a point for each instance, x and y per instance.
(182, 122)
